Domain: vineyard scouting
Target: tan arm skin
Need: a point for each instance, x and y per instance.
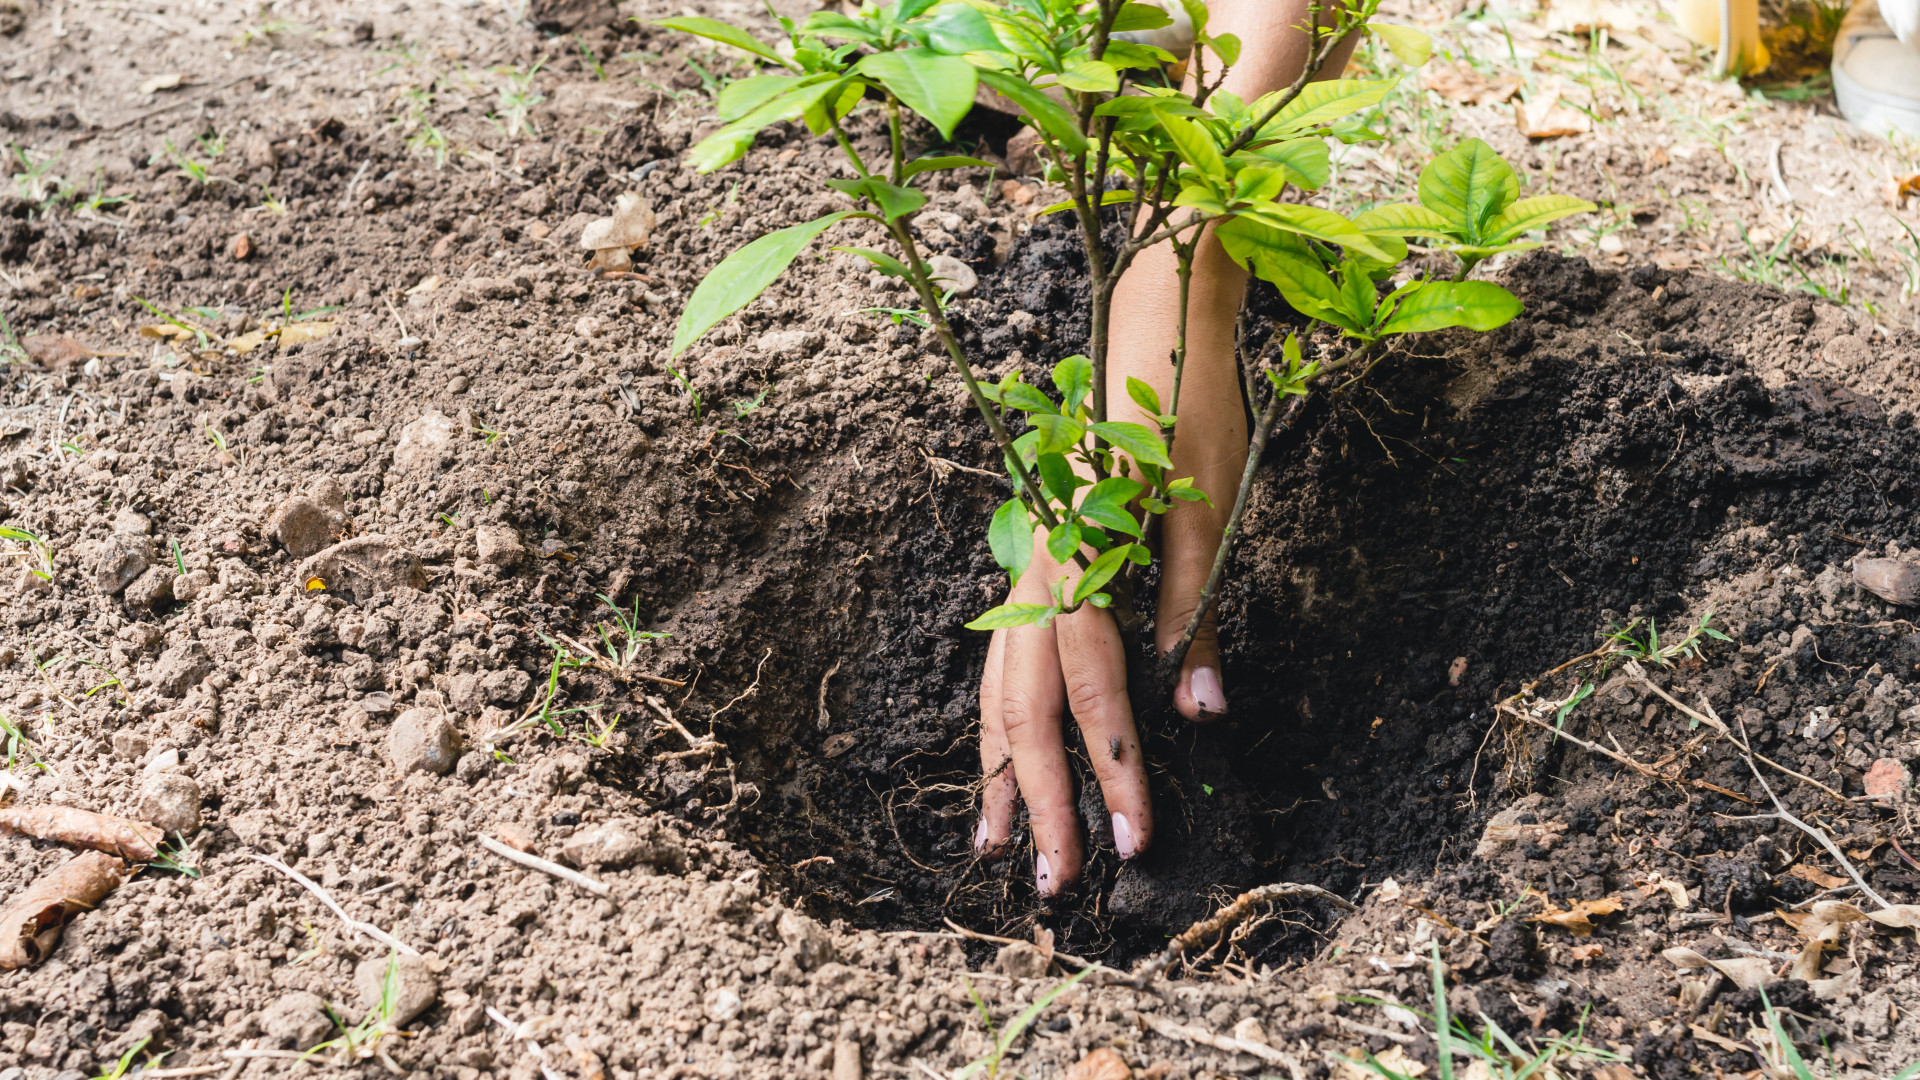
(1034, 676)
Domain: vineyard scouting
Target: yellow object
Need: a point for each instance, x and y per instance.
(1741, 52)
(315, 584)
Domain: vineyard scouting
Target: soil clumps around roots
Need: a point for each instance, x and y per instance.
(354, 604)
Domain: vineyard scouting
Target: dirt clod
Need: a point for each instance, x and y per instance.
(122, 559)
(171, 802)
(296, 1020)
(424, 440)
(304, 525)
(363, 567)
(423, 740)
(416, 985)
(499, 546)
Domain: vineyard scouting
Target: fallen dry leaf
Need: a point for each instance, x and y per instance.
(1806, 966)
(1746, 972)
(1718, 1040)
(1102, 1063)
(1578, 919)
(131, 840)
(30, 928)
(1897, 917)
(1675, 892)
(302, 332)
(1584, 953)
(1893, 580)
(427, 284)
(1547, 117)
(1817, 877)
(839, 744)
(1466, 86)
(165, 330)
(1900, 188)
(166, 81)
(1824, 920)
(249, 341)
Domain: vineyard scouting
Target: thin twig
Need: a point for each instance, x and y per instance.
(305, 882)
(1780, 812)
(1713, 721)
(535, 862)
(993, 939)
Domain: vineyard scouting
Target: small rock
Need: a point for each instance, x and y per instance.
(423, 441)
(296, 1019)
(170, 802)
(161, 761)
(953, 275)
(588, 326)
(122, 559)
(1891, 580)
(506, 687)
(623, 842)
(180, 667)
(846, 1060)
(1104, 1063)
(189, 585)
(535, 200)
(415, 986)
(150, 588)
(1021, 960)
(500, 546)
(514, 837)
(809, 940)
(304, 525)
(132, 523)
(458, 384)
(423, 740)
(360, 567)
(241, 247)
(723, 1004)
(1249, 1030)
(1887, 779)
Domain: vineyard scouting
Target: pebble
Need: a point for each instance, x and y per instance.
(1104, 1063)
(811, 944)
(458, 385)
(160, 762)
(622, 842)
(416, 987)
(170, 801)
(121, 560)
(951, 274)
(1887, 779)
(241, 247)
(500, 546)
(422, 442)
(723, 1004)
(423, 740)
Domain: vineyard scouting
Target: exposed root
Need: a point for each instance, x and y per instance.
(1224, 919)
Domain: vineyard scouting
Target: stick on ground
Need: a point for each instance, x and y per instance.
(368, 929)
(535, 862)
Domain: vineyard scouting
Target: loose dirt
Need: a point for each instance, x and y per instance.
(340, 604)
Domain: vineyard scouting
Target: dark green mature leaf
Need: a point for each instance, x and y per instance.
(1106, 502)
(1404, 219)
(892, 199)
(886, 263)
(957, 29)
(1008, 616)
(1303, 160)
(906, 10)
(1126, 54)
(833, 24)
(932, 164)
(1136, 440)
(1010, 535)
(1477, 305)
(1058, 434)
(936, 86)
(1468, 185)
(1057, 476)
(1535, 213)
(714, 30)
(1321, 103)
(1100, 571)
(744, 275)
(1047, 114)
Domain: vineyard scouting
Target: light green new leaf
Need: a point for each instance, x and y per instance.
(1073, 377)
(742, 96)
(1091, 77)
(1194, 144)
(1057, 477)
(1304, 161)
(833, 24)
(1063, 540)
(842, 103)
(726, 146)
(1058, 434)
(1535, 213)
(1100, 571)
(1226, 47)
(1106, 502)
(1144, 395)
(1319, 224)
(1107, 199)
(1007, 616)
(1027, 398)
(957, 29)
(936, 86)
(744, 275)
(884, 262)
(1321, 103)
(1136, 440)
(1409, 45)
(715, 30)
(1477, 305)
(930, 164)
(1047, 114)
(892, 199)
(1468, 185)
(1010, 535)
(1403, 219)
(1136, 16)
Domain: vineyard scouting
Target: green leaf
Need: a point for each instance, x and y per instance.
(1010, 535)
(1073, 377)
(1226, 47)
(931, 164)
(1007, 616)
(743, 275)
(714, 30)
(1106, 502)
(1140, 442)
(842, 103)
(1129, 54)
(1357, 295)
(886, 263)
(1194, 144)
(1410, 46)
(936, 86)
(1106, 199)
(892, 199)
(1477, 305)
(1319, 224)
(1320, 103)
(1144, 396)
(1028, 398)
(957, 29)
(1101, 571)
(1137, 16)
(1091, 77)
(1057, 476)
(1535, 213)
(1258, 183)
(905, 10)
(1403, 219)
(742, 96)
(1183, 490)
(1468, 185)
(726, 146)
(835, 25)
(1058, 434)
(1062, 541)
(1047, 114)
(1303, 160)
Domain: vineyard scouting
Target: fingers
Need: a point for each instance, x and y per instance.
(1192, 537)
(1093, 665)
(1000, 791)
(1032, 697)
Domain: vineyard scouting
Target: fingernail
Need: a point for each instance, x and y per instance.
(1208, 694)
(980, 836)
(1123, 836)
(1042, 875)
